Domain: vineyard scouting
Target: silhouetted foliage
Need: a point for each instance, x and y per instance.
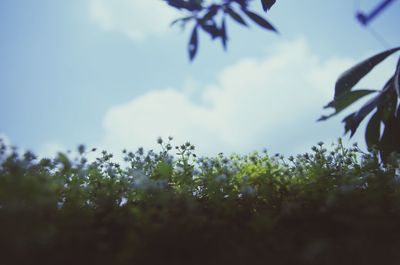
(385, 104)
(323, 207)
(210, 18)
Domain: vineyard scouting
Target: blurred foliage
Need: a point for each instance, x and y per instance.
(323, 207)
(210, 17)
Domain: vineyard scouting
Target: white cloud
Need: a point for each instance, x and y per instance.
(271, 101)
(136, 19)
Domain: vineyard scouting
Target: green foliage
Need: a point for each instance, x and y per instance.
(323, 207)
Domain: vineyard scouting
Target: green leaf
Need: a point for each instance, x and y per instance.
(235, 16)
(345, 100)
(373, 131)
(352, 76)
(64, 160)
(163, 170)
(259, 20)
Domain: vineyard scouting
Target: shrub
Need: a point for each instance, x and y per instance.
(323, 207)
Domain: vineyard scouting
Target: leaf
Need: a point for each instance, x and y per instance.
(235, 16)
(183, 21)
(381, 101)
(373, 131)
(353, 120)
(398, 113)
(390, 138)
(211, 28)
(212, 11)
(193, 44)
(163, 170)
(387, 101)
(351, 77)
(345, 100)
(397, 79)
(63, 159)
(259, 20)
(267, 4)
(224, 37)
(182, 4)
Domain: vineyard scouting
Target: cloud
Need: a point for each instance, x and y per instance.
(137, 19)
(272, 102)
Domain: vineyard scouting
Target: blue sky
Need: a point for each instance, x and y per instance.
(114, 75)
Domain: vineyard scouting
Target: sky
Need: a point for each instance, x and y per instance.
(115, 75)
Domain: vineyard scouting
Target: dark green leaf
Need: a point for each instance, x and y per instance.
(345, 100)
(352, 76)
(259, 20)
(267, 4)
(193, 44)
(373, 131)
(235, 16)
